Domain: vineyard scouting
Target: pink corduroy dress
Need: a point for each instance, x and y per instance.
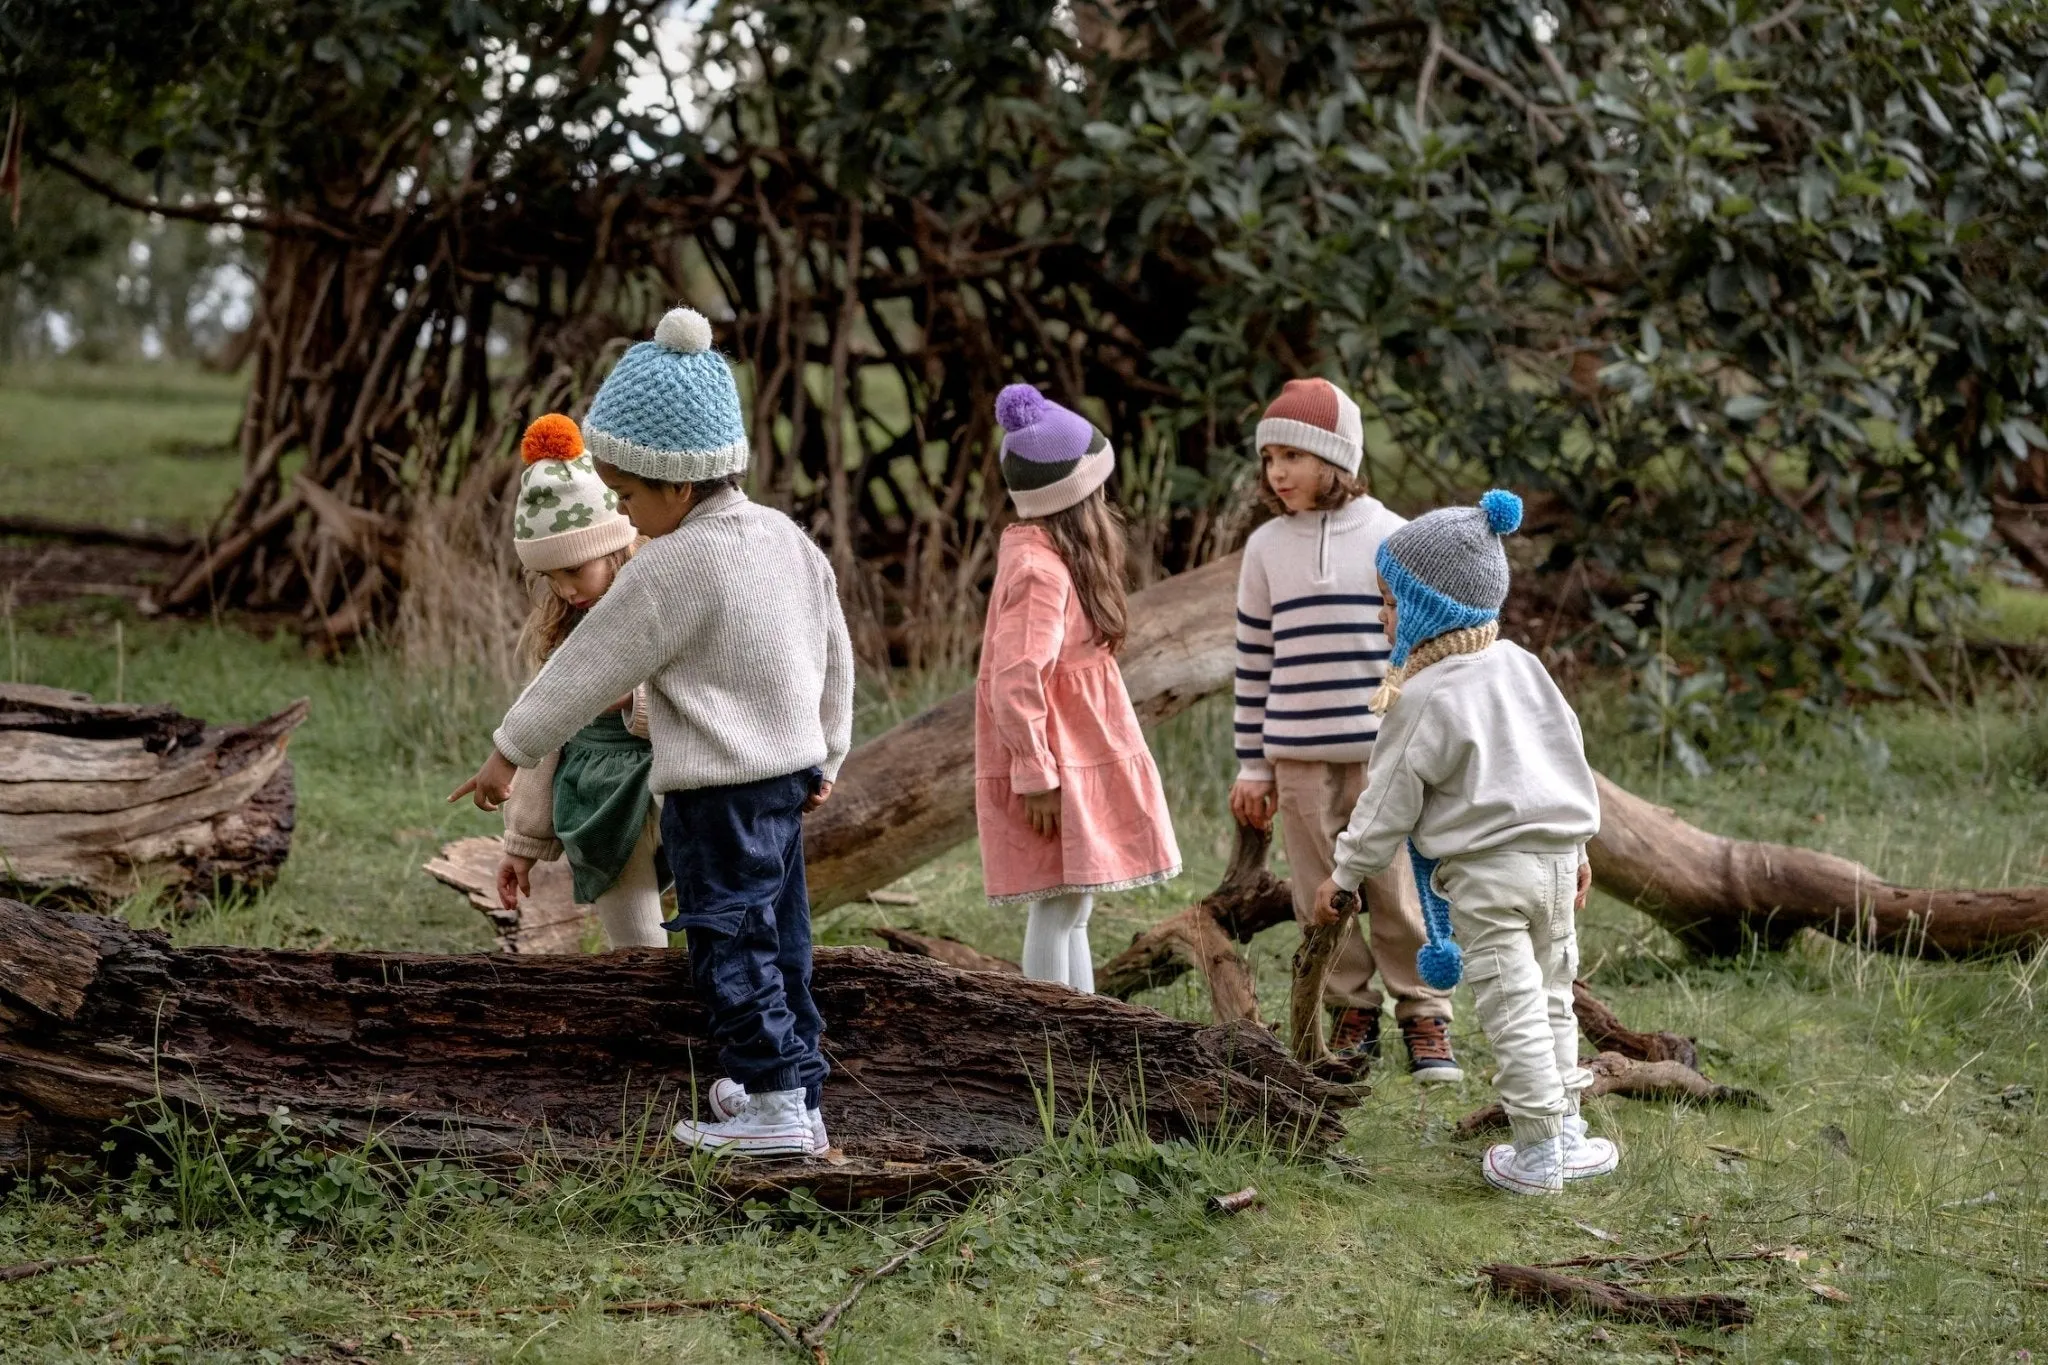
(1050, 710)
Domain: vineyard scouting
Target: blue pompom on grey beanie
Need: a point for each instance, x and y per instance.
(669, 410)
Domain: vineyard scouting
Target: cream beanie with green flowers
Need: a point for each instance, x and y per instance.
(565, 515)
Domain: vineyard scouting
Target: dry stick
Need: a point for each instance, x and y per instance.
(1683, 1253)
(1532, 1284)
(1530, 109)
(28, 1270)
(814, 1335)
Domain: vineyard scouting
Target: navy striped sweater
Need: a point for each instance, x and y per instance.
(1310, 649)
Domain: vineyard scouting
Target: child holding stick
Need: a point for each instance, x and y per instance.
(1309, 654)
(589, 799)
(731, 616)
(1067, 798)
(1481, 768)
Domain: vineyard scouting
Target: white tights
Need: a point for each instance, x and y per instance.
(629, 910)
(1056, 941)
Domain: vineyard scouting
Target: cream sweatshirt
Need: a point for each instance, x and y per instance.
(733, 621)
(1481, 754)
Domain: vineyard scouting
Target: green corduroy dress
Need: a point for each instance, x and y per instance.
(602, 802)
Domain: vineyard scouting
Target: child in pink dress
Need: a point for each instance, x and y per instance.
(1067, 797)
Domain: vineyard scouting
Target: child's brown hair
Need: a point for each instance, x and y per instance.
(1091, 539)
(1341, 488)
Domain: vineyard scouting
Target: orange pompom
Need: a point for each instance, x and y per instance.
(552, 437)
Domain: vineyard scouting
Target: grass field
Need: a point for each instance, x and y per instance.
(1898, 1176)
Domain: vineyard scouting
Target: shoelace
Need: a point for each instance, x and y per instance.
(1427, 1040)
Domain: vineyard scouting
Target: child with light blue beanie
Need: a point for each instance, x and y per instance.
(731, 616)
(1480, 768)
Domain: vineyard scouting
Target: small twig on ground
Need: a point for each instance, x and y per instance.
(28, 1270)
(1699, 1247)
(1234, 1203)
(1532, 1284)
(1967, 1262)
(814, 1335)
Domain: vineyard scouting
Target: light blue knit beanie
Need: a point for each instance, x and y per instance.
(669, 410)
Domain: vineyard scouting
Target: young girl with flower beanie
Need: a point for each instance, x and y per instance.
(1481, 769)
(730, 615)
(587, 800)
(1067, 798)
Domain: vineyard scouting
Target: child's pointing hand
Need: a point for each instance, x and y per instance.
(491, 785)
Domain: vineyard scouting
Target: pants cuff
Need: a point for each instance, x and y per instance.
(1524, 1132)
(1422, 1007)
(767, 1082)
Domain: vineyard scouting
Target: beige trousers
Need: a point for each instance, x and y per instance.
(1315, 804)
(1514, 918)
(629, 910)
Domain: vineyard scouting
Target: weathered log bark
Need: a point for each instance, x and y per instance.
(547, 921)
(487, 1056)
(908, 796)
(1305, 994)
(1605, 1031)
(950, 951)
(1716, 894)
(99, 802)
(1576, 1293)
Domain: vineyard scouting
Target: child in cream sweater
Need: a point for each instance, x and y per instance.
(1481, 770)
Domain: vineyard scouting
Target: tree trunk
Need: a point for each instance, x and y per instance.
(490, 1057)
(100, 802)
(908, 796)
(1715, 893)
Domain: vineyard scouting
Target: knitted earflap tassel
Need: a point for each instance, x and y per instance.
(1470, 640)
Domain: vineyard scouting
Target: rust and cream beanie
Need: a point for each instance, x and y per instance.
(1317, 416)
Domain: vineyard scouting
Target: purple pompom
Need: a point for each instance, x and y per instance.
(1018, 406)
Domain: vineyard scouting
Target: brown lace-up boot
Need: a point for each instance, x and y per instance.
(1356, 1033)
(1429, 1051)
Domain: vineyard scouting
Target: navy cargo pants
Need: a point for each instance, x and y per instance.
(738, 858)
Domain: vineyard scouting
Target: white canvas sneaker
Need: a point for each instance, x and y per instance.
(1535, 1169)
(728, 1097)
(1586, 1156)
(772, 1124)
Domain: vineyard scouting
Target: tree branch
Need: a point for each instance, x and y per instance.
(192, 213)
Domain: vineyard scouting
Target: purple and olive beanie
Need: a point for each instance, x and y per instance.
(1053, 457)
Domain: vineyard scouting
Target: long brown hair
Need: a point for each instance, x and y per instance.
(1090, 537)
(550, 619)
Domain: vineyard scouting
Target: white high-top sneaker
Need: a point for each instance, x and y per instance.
(1585, 1155)
(772, 1124)
(1537, 1168)
(728, 1097)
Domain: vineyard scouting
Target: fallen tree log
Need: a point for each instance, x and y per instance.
(907, 796)
(1576, 1293)
(489, 1057)
(99, 802)
(1717, 894)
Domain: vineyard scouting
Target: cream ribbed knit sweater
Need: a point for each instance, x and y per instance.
(733, 621)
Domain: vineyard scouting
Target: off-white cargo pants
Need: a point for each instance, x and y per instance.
(1515, 923)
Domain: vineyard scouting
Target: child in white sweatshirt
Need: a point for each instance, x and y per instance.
(1481, 769)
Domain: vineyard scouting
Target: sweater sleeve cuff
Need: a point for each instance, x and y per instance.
(830, 767)
(1347, 878)
(638, 721)
(1254, 770)
(1031, 776)
(540, 850)
(515, 755)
